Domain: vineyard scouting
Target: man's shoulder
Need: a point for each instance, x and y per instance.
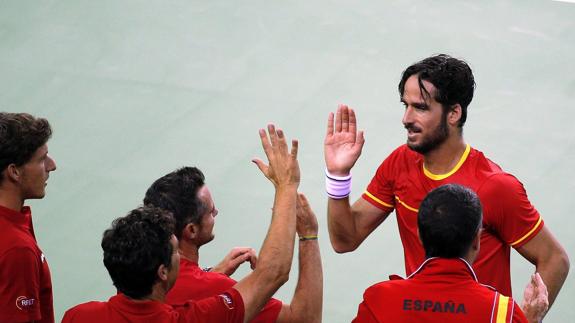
(20, 250)
(386, 288)
(86, 312)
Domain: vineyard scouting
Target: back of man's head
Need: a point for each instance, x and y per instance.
(135, 247)
(20, 136)
(449, 218)
(177, 192)
(452, 78)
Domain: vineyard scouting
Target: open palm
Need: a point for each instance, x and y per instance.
(343, 143)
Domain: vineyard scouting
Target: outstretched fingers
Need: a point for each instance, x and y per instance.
(338, 118)
(273, 135)
(294, 148)
(352, 122)
(329, 125)
(345, 119)
(281, 143)
(265, 142)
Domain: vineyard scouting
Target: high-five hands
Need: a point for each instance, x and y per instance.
(343, 143)
(283, 168)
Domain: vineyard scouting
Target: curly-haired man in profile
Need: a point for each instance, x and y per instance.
(25, 283)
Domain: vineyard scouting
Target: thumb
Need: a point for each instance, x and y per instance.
(261, 165)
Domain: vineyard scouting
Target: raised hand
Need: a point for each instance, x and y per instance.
(306, 224)
(535, 299)
(283, 168)
(234, 259)
(343, 143)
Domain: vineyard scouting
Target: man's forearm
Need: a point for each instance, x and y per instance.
(306, 305)
(275, 257)
(277, 250)
(341, 225)
(554, 272)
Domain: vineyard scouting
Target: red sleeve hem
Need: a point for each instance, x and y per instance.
(377, 203)
(528, 235)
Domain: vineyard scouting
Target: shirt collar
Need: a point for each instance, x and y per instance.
(442, 266)
(22, 218)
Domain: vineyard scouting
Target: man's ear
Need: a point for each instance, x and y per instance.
(454, 115)
(190, 231)
(163, 273)
(13, 173)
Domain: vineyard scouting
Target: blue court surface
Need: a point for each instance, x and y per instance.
(135, 89)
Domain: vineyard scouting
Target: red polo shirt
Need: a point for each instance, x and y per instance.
(228, 307)
(25, 283)
(509, 219)
(441, 290)
(194, 284)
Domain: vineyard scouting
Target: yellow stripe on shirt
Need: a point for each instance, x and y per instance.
(437, 177)
(502, 309)
(377, 200)
(518, 241)
(406, 206)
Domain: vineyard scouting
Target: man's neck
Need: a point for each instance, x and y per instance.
(189, 251)
(10, 200)
(158, 294)
(444, 158)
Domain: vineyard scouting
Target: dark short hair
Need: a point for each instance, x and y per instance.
(21, 134)
(177, 192)
(135, 247)
(448, 219)
(452, 78)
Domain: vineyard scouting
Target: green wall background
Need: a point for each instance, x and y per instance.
(135, 89)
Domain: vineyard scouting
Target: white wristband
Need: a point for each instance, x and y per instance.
(337, 187)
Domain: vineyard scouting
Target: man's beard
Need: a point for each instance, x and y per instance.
(433, 140)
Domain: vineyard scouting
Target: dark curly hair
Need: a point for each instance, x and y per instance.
(135, 246)
(448, 220)
(177, 192)
(21, 134)
(452, 78)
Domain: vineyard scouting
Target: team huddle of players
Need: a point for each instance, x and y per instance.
(458, 214)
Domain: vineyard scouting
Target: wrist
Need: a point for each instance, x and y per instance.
(337, 187)
(338, 172)
(287, 187)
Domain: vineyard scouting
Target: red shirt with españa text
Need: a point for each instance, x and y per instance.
(441, 290)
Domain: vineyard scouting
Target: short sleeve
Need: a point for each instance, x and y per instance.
(269, 313)
(379, 192)
(19, 286)
(508, 211)
(227, 307)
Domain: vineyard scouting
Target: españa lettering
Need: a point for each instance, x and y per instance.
(433, 306)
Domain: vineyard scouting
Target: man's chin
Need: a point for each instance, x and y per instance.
(420, 149)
